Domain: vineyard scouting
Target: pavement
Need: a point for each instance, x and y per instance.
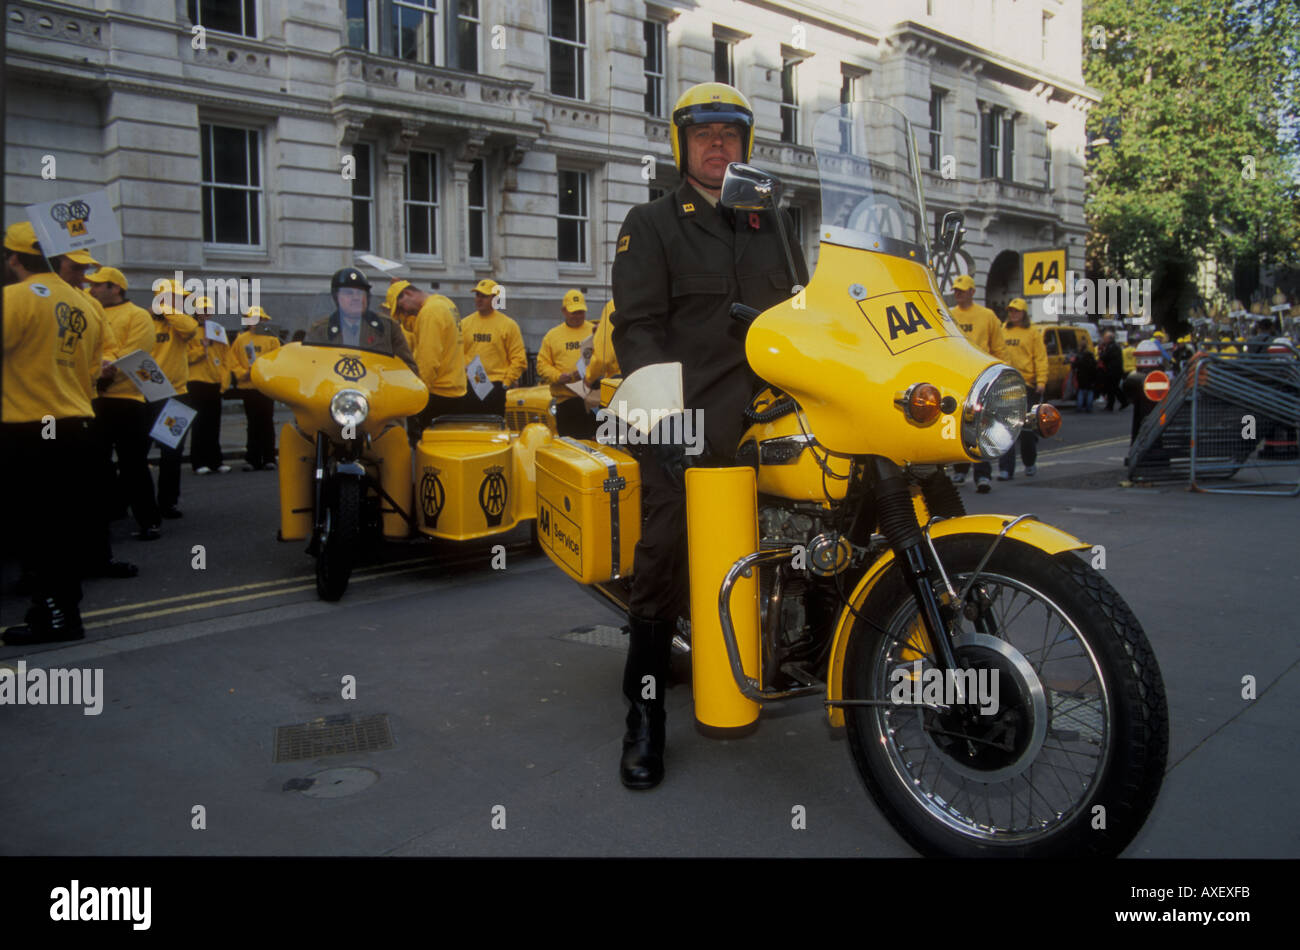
(483, 707)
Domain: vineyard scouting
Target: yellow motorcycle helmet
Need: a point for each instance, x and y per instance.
(705, 103)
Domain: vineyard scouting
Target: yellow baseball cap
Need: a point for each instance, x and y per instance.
(964, 282)
(204, 305)
(573, 300)
(394, 291)
(165, 285)
(1018, 304)
(107, 275)
(486, 286)
(253, 314)
(21, 237)
(81, 257)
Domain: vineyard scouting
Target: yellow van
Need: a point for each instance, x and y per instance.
(1062, 343)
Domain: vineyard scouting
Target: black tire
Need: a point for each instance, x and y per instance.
(338, 549)
(1108, 730)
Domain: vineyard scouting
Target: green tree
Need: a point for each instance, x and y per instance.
(1195, 144)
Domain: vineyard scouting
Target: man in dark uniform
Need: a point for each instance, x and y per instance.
(681, 262)
(353, 324)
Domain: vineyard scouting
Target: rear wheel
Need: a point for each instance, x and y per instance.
(1067, 758)
(337, 554)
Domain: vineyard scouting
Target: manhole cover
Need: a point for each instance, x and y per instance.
(600, 635)
(340, 783)
(332, 735)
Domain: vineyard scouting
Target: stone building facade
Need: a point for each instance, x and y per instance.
(277, 139)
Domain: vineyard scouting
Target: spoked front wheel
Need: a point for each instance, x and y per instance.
(338, 547)
(1059, 748)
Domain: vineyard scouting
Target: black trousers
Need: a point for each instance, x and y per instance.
(122, 426)
(259, 410)
(494, 404)
(169, 461)
(205, 449)
(573, 420)
(660, 569)
(47, 482)
(1028, 442)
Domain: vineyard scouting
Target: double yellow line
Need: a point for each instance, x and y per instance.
(241, 593)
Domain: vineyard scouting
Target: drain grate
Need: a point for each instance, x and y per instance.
(332, 735)
(599, 635)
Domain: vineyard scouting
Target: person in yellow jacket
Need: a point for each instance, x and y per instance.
(557, 364)
(122, 420)
(437, 348)
(603, 362)
(982, 327)
(52, 348)
(173, 330)
(495, 339)
(209, 359)
(1027, 353)
(259, 410)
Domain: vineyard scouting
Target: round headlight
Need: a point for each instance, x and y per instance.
(994, 412)
(349, 407)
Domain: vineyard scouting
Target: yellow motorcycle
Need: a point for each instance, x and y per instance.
(999, 697)
(349, 475)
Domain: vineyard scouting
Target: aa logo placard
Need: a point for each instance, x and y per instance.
(1041, 268)
(905, 319)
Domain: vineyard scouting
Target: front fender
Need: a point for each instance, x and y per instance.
(1035, 533)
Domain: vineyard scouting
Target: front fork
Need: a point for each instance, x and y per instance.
(326, 468)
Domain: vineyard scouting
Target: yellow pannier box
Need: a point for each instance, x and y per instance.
(588, 508)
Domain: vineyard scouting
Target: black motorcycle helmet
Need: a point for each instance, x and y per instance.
(349, 277)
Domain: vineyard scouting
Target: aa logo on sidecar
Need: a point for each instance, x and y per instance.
(492, 495)
(350, 368)
(905, 319)
(432, 497)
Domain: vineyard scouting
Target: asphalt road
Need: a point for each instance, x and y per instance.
(499, 690)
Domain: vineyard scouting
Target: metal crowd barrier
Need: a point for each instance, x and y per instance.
(1227, 425)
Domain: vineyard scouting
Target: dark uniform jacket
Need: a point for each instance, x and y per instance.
(678, 267)
(378, 334)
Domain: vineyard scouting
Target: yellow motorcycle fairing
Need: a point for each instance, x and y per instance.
(868, 327)
(306, 378)
(787, 466)
(1043, 536)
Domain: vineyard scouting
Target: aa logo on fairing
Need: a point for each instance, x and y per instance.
(904, 319)
(72, 216)
(350, 368)
(492, 495)
(544, 521)
(72, 323)
(432, 497)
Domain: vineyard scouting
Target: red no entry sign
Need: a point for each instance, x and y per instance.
(1155, 385)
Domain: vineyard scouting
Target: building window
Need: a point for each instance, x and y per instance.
(415, 31)
(789, 102)
(1047, 157)
(1008, 148)
(571, 224)
(990, 142)
(420, 195)
(358, 24)
(654, 67)
(796, 215)
(1046, 32)
(232, 186)
(568, 49)
(467, 27)
(477, 216)
(656, 193)
(848, 93)
(363, 199)
(936, 128)
(724, 67)
(225, 16)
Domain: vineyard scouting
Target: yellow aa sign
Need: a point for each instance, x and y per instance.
(1041, 267)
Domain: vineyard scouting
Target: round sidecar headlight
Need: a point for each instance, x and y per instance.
(994, 412)
(349, 407)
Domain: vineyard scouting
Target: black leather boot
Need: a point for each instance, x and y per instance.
(650, 643)
(47, 622)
